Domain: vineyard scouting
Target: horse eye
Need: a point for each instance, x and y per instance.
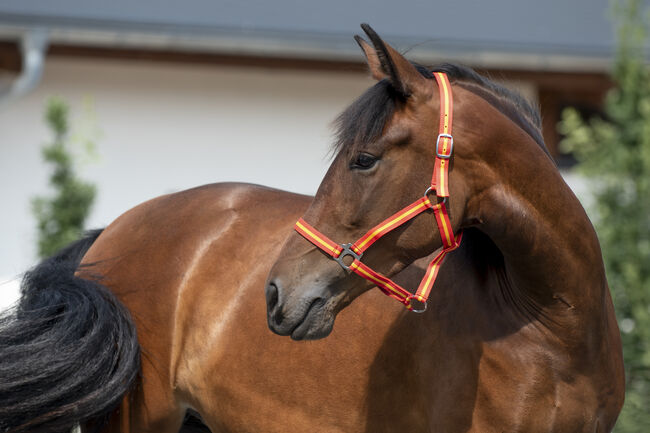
(364, 161)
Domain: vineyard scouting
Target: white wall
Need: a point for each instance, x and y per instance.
(9, 292)
(165, 128)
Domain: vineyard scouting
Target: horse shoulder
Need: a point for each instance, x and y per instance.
(167, 257)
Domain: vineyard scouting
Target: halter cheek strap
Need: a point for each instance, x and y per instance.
(439, 184)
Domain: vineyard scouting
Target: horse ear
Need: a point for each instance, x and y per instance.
(376, 68)
(386, 62)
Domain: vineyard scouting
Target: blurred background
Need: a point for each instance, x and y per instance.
(158, 96)
(179, 94)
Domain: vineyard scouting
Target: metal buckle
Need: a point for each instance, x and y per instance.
(451, 146)
(347, 251)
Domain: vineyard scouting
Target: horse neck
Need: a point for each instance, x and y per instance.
(551, 254)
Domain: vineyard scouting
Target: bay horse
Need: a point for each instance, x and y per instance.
(159, 323)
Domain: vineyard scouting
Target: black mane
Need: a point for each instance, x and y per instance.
(364, 120)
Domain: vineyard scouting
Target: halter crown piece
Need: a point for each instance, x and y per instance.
(439, 184)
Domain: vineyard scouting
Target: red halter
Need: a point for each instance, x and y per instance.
(439, 184)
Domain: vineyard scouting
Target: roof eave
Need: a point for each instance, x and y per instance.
(318, 47)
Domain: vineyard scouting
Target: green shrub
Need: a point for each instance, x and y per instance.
(61, 217)
(614, 153)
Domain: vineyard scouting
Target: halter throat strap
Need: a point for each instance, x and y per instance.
(439, 183)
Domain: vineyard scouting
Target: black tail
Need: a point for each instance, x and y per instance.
(68, 351)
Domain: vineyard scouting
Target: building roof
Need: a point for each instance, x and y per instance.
(529, 34)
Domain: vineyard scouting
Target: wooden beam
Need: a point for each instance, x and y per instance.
(10, 57)
(203, 58)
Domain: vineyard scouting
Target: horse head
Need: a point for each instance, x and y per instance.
(385, 155)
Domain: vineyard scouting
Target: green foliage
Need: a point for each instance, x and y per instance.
(61, 217)
(614, 152)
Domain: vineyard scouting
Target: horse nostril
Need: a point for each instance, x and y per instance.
(273, 304)
(271, 296)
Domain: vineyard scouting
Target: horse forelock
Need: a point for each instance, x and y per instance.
(365, 119)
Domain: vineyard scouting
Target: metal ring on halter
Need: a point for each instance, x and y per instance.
(415, 310)
(347, 251)
(432, 188)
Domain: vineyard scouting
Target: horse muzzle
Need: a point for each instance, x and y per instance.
(306, 317)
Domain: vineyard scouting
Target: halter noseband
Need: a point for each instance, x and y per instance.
(439, 184)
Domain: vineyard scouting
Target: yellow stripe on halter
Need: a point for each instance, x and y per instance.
(429, 277)
(317, 238)
(446, 230)
(433, 271)
(445, 90)
(391, 222)
(441, 177)
(375, 279)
